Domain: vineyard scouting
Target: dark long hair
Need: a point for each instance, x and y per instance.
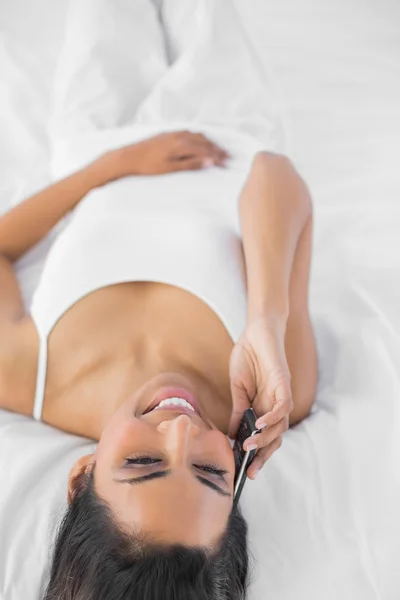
(95, 560)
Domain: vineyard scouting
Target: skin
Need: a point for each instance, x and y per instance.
(190, 512)
(105, 365)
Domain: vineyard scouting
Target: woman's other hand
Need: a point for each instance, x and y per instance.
(164, 153)
(260, 379)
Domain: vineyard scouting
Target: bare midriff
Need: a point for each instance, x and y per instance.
(113, 340)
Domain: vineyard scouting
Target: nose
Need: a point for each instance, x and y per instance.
(181, 425)
(178, 432)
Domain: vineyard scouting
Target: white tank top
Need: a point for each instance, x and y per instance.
(179, 228)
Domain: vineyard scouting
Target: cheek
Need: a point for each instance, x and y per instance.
(230, 456)
(118, 436)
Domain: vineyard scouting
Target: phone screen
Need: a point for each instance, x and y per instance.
(243, 459)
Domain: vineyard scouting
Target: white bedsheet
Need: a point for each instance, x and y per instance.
(323, 515)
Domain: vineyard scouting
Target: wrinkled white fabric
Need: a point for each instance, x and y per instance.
(323, 513)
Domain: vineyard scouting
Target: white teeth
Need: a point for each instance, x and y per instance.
(174, 402)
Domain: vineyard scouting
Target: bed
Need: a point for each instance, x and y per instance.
(323, 514)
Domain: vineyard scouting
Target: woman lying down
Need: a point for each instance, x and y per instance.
(136, 339)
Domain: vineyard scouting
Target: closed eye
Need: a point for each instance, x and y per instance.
(214, 469)
(159, 474)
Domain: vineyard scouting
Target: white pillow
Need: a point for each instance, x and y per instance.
(104, 41)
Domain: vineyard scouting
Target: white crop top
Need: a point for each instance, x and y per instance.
(179, 228)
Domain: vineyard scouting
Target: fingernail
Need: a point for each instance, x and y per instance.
(256, 473)
(208, 162)
(261, 425)
(251, 447)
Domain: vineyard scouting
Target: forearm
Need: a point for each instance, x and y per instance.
(274, 206)
(27, 223)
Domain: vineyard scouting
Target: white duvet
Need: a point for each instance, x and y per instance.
(323, 515)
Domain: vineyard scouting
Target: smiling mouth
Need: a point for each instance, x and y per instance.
(175, 409)
(174, 392)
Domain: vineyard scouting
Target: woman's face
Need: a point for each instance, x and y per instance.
(185, 503)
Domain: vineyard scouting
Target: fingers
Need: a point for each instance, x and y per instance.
(188, 164)
(283, 405)
(240, 402)
(267, 435)
(192, 145)
(199, 158)
(200, 138)
(282, 409)
(241, 384)
(273, 424)
(262, 456)
(219, 152)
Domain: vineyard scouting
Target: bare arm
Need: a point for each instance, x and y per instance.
(20, 229)
(274, 206)
(26, 224)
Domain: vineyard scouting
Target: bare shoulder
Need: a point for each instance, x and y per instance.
(266, 164)
(18, 364)
(265, 158)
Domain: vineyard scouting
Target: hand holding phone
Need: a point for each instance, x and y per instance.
(243, 459)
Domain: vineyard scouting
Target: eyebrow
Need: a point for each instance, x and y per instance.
(159, 474)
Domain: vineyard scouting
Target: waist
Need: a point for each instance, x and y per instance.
(199, 255)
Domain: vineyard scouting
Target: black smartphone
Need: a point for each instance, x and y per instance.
(243, 459)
